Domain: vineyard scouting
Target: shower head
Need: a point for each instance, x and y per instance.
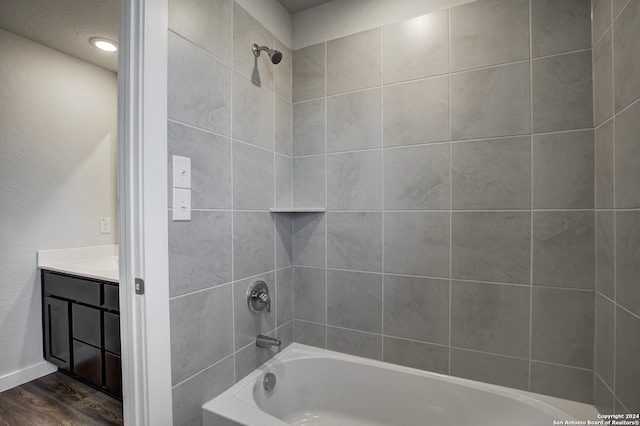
(274, 55)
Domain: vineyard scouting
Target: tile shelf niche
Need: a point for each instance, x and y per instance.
(297, 210)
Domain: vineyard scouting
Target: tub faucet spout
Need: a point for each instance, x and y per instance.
(267, 342)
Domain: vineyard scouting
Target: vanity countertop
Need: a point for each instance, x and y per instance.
(98, 262)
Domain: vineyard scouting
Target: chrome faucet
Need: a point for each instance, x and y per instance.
(258, 297)
(267, 342)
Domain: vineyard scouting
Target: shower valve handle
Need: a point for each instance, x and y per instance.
(258, 297)
(264, 298)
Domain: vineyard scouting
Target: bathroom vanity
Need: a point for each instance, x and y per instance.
(81, 318)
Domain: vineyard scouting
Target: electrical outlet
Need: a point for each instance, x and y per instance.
(105, 225)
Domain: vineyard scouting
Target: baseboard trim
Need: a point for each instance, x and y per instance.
(32, 372)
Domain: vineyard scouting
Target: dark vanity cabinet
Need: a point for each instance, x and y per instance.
(81, 329)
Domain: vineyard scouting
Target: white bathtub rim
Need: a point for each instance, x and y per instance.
(237, 403)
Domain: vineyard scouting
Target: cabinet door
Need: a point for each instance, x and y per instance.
(57, 339)
(87, 362)
(113, 374)
(86, 324)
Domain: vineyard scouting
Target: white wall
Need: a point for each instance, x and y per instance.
(338, 18)
(58, 137)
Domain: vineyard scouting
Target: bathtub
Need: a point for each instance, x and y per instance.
(317, 387)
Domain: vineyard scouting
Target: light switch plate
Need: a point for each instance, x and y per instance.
(181, 172)
(181, 204)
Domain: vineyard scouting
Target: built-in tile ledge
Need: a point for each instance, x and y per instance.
(99, 262)
(298, 210)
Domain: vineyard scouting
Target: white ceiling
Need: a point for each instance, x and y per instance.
(65, 25)
(294, 6)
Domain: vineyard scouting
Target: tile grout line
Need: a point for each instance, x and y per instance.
(275, 202)
(224, 358)
(382, 184)
(595, 212)
(442, 345)
(436, 143)
(621, 403)
(623, 209)
(293, 283)
(609, 26)
(531, 132)
(631, 104)
(459, 211)
(450, 325)
(374, 87)
(446, 74)
(443, 142)
(292, 217)
(205, 51)
(326, 198)
(222, 135)
(615, 213)
(201, 290)
(196, 127)
(292, 189)
(251, 144)
(622, 308)
(233, 214)
(614, 18)
(598, 376)
(292, 226)
(229, 210)
(531, 185)
(555, 55)
(486, 67)
(444, 278)
(435, 76)
(614, 114)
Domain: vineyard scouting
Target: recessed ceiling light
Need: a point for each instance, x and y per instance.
(104, 44)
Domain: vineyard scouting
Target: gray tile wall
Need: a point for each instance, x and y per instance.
(616, 100)
(231, 114)
(457, 169)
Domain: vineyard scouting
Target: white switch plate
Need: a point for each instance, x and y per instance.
(181, 204)
(105, 225)
(181, 172)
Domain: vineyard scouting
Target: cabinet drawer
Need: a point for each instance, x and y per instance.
(87, 362)
(112, 297)
(112, 332)
(113, 374)
(71, 288)
(86, 324)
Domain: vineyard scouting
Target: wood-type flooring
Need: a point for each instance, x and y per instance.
(57, 399)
